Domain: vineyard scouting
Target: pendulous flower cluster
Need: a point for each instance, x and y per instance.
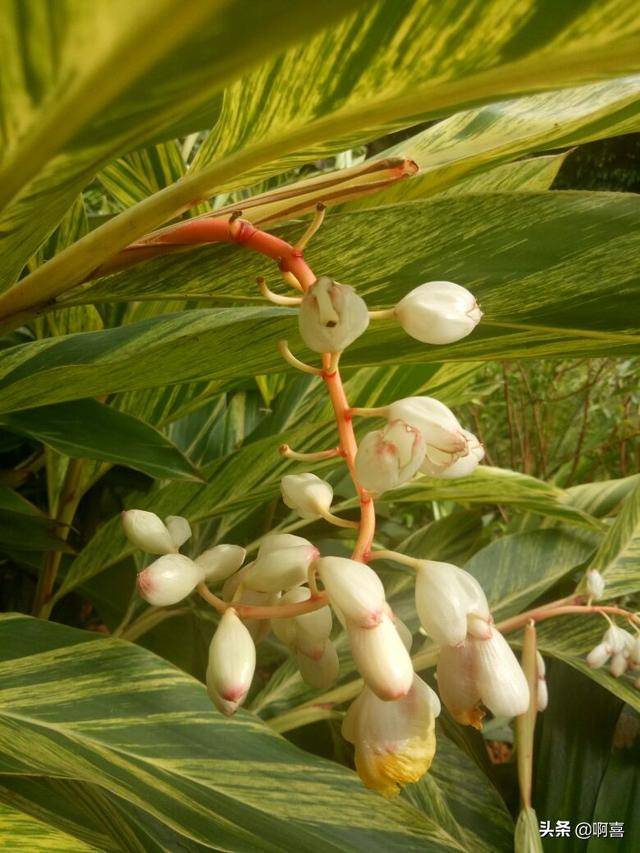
(297, 592)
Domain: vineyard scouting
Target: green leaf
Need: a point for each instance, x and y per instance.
(575, 736)
(618, 557)
(436, 61)
(461, 148)
(532, 175)
(515, 570)
(138, 75)
(457, 794)
(489, 485)
(109, 713)
(570, 639)
(87, 429)
(603, 497)
(18, 832)
(579, 295)
(22, 531)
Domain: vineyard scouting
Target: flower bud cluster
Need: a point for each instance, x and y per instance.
(173, 576)
(332, 315)
(476, 665)
(422, 434)
(619, 648)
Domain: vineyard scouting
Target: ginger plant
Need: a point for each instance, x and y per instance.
(292, 589)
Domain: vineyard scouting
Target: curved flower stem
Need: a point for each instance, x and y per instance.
(289, 357)
(318, 456)
(541, 613)
(349, 448)
(397, 557)
(250, 611)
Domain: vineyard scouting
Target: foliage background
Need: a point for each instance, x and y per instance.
(160, 386)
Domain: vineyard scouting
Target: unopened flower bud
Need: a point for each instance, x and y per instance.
(220, 562)
(148, 532)
(620, 659)
(395, 741)
(281, 563)
(438, 312)
(307, 632)
(331, 316)
(501, 681)
(232, 661)
(634, 653)
(179, 529)
(354, 589)
(443, 436)
(321, 670)
(450, 603)
(389, 457)
(169, 579)
(403, 630)
(542, 693)
(457, 684)
(307, 494)
(382, 659)
(460, 467)
(482, 671)
(595, 584)
(598, 656)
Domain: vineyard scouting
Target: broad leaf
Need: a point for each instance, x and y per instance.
(139, 75)
(546, 289)
(382, 83)
(618, 557)
(470, 142)
(19, 832)
(110, 713)
(86, 429)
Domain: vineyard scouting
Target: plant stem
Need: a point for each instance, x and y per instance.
(67, 505)
(525, 723)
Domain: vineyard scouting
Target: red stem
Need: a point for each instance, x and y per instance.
(239, 231)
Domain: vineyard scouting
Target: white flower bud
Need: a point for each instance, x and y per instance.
(457, 684)
(395, 741)
(620, 659)
(482, 671)
(447, 600)
(619, 664)
(634, 653)
(232, 661)
(308, 632)
(595, 584)
(331, 316)
(460, 467)
(148, 532)
(307, 494)
(169, 579)
(405, 634)
(280, 564)
(389, 457)
(322, 670)
(179, 529)
(615, 639)
(232, 583)
(500, 679)
(542, 693)
(598, 656)
(382, 660)
(354, 589)
(438, 312)
(443, 436)
(220, 562)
